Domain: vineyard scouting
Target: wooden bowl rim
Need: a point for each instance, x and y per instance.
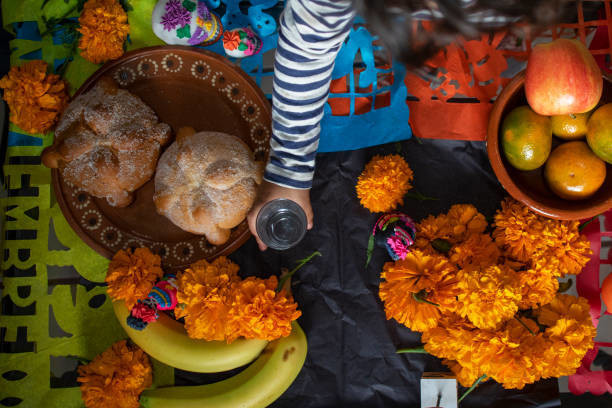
(494, 153)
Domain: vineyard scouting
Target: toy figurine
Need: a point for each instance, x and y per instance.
(185, 22)
(161, 297)
(241, 42)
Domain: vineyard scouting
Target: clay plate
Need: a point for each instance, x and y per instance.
(529, 187)
(185, 87)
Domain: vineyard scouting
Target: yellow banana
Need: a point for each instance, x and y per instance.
(257, 386)
(166, 340)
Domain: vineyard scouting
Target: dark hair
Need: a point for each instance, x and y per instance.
(393, 21)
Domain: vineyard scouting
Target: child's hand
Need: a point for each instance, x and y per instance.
(270, 191)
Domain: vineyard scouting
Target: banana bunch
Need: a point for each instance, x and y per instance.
(166, 340)
(257, 386)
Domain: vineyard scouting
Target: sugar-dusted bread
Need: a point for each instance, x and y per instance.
(206, 183)
(107, 143)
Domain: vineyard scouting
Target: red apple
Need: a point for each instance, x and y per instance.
(562, 78)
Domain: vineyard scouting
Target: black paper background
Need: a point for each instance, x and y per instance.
(351, 346)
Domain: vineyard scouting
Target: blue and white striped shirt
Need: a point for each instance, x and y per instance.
(310, 36)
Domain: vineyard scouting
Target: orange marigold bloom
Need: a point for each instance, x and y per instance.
(115, 378)
(417, 277)
(218, 305)
(570, 333)
(104, 28)
(518, 230)
(528, 237)
(515, 355)
(566, 248)
(488, 296)
(258, 312)
(465, 220)
(205, 291)
(478, 250)
(131, 276)
(462, 221)
(36, 99)
(383, 183)
(538, 286)
(466, 375)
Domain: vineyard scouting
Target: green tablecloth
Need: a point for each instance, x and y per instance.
(53, 305)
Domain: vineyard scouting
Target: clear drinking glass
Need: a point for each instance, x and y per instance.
(281, 224)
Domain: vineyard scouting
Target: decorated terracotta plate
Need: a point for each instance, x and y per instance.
(185, 87)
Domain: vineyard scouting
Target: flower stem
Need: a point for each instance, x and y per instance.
(412, 350)
(420, 297)
(301, 263)
(524, 325)
(418, 196)
(587, 222)
(478, 381)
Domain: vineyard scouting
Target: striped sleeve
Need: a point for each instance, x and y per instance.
(310, 36)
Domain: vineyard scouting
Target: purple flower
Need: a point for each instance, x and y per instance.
(175, 16)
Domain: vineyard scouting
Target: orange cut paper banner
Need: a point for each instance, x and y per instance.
(468, 76)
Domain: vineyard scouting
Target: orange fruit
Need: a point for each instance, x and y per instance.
(599, 132)
(526, 138)
(570, 127)
(606, 292)
(573, 171)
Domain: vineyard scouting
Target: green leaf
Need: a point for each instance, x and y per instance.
(184, 32)
(189, 5)
(418, 196)
(441, 245)
(421, 297)
(412, 350)
(389, 221)
(242, 47)
(126, 5)
(241, 34)
(370, 249)
(300, 263)
(465, 394)
(583, 225)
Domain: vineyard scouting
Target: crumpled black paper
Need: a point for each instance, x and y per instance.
(351, 346)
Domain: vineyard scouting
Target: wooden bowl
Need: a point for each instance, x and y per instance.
(530, 187)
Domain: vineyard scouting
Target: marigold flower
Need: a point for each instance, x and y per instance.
(104, 28)
(407, 282)
(36, 99)
(218, 305)
(518, 230)
(431, 228)
(566, 248)
(115, 378)
(462, 221)
(204, 290)
(258, 312)
(383, 183)
(131, 276)
(465, 220)
(570, 332)
(466, 375)
(538, 286)
(478, 250)
(488, 296)
(528, 237)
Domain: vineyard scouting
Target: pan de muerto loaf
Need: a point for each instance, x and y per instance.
(107, 143)
(206, 183)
